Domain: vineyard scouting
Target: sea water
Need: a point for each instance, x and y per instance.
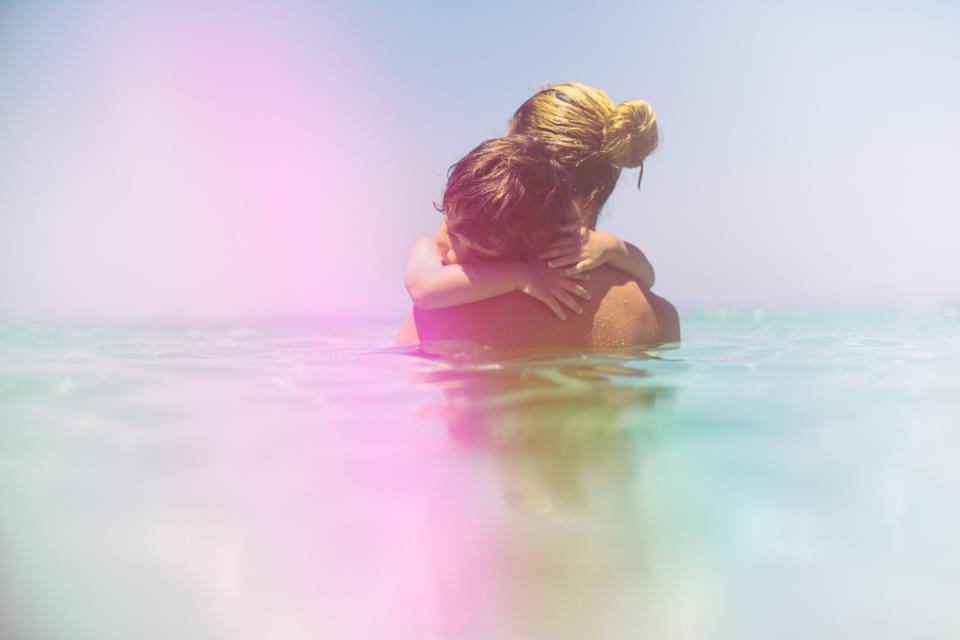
(771, 477)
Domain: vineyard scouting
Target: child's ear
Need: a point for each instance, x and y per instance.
(493, 247)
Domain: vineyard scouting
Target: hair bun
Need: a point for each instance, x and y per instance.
(630, 134)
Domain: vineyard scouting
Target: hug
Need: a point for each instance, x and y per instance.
(518, 262)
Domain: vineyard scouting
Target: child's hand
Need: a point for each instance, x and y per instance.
(552, 288)
(580, 249)
(583, 248)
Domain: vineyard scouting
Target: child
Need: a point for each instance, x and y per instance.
(511, 224)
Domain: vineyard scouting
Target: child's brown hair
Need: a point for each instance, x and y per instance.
(508, 192)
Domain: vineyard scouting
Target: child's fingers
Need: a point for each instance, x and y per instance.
(563, 261)
(575, 289)
(555, 307)
(559, 249)
(580, 267)
(567, 299)
(550, 302)
(583, 277)
(575, 228)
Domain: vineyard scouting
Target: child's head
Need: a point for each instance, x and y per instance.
(592, 138)
(506, 198)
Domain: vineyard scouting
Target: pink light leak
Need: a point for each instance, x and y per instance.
(213, 163)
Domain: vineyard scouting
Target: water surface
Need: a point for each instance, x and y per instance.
(774, 477)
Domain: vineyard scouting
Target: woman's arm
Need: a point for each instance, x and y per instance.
(432, 284)
(584, 249)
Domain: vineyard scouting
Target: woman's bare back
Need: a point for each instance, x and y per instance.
(620, 314)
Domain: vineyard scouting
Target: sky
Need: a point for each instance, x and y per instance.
(223, 161)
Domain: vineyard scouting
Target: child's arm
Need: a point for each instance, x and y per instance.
(432, 284)
(582, 249)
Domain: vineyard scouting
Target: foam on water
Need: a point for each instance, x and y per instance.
(774, 476)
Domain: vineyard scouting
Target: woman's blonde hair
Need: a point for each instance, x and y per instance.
(591, 138)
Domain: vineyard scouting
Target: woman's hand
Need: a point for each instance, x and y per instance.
(581, 249)
(553, 288)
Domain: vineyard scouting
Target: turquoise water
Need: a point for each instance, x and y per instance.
(774, 477)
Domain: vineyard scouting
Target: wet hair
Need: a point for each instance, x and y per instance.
(509, 191)
(593, 139)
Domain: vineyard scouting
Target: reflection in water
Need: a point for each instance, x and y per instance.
(566, 437)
